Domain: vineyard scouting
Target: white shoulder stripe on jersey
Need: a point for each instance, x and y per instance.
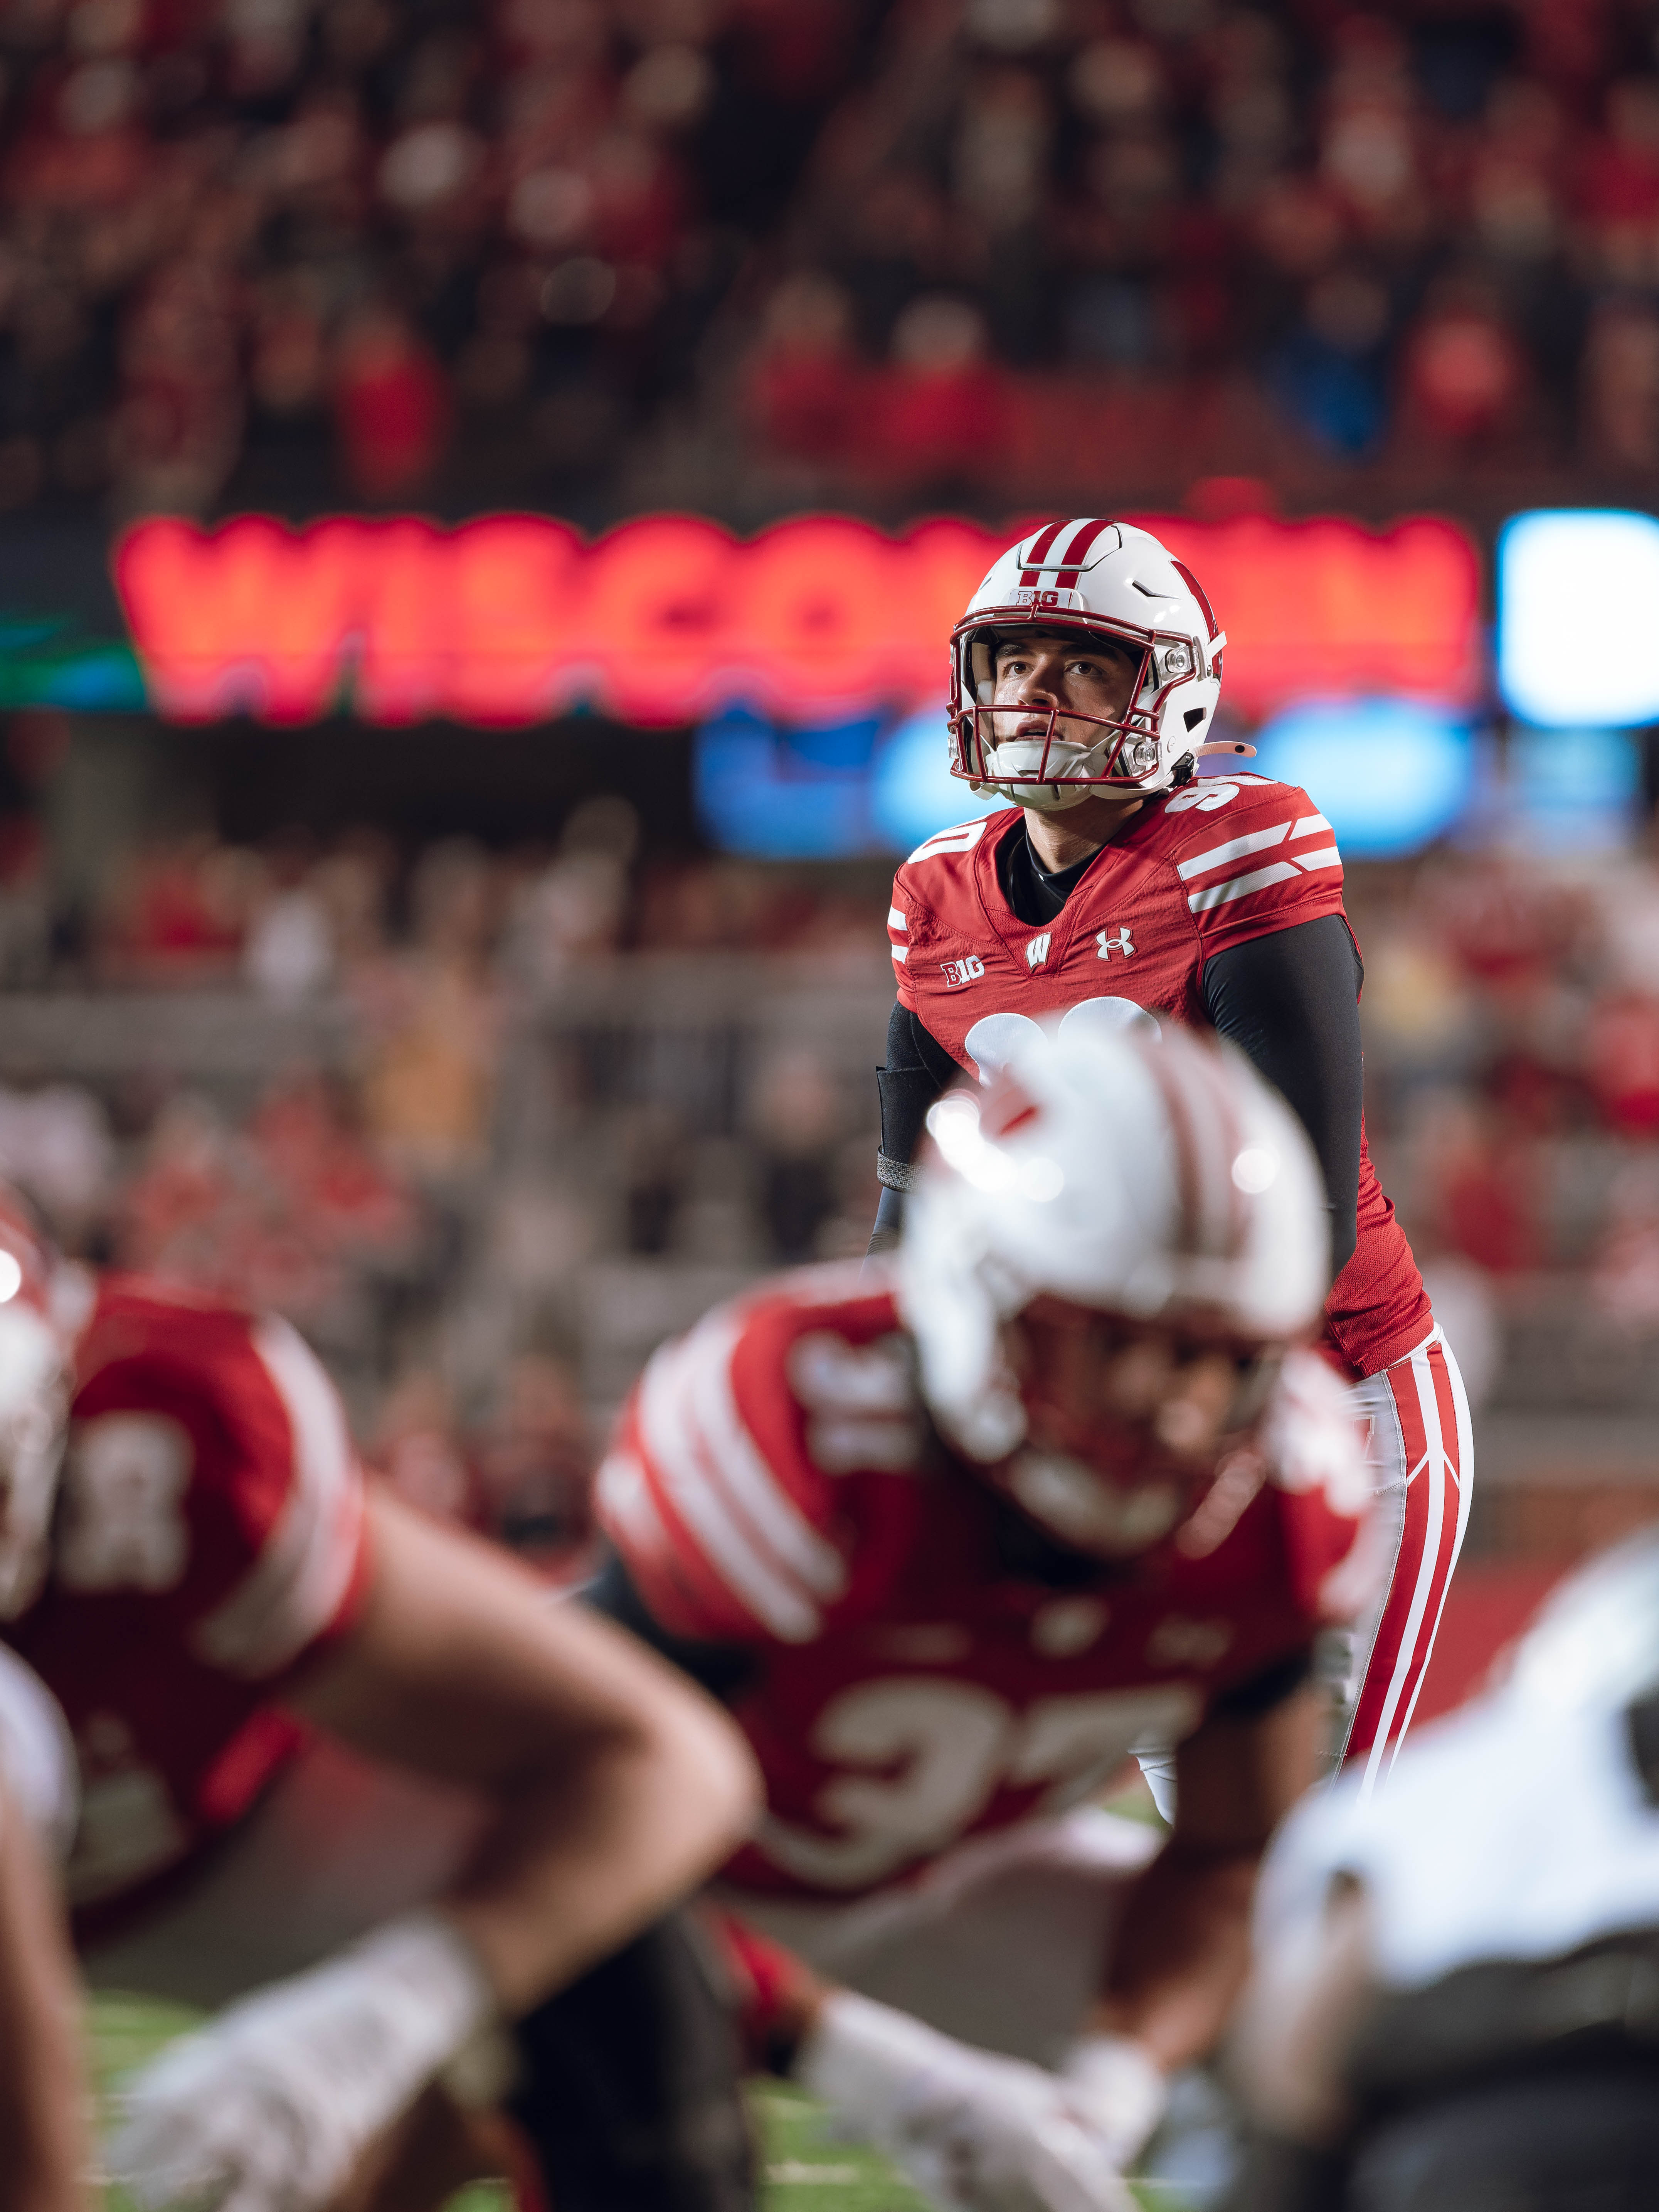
(296, 1587)
(743, 1470)
(896, 919)
(901, 953)
(962, 838)
(671, 1443)
(623, 1496)
(1325, 857)
(1217, 856)
(1220, 894)
(1308, 825)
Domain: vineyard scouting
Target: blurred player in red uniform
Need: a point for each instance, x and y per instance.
(1086, 676)
(954, 1543)
(44, 2148)
(329, 1754)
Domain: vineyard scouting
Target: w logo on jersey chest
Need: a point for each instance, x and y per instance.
(957, 973)
(1037, 951)
(1118, 941)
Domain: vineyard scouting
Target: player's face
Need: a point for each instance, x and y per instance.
(1125, 1424)
(1087, 1373)
(1043, 674)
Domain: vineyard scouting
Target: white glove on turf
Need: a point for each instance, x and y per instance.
(269, 2107)
(975, 2133)
(1118, 2088)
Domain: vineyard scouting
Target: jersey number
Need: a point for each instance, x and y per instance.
(124, 1526)
(947, 1748)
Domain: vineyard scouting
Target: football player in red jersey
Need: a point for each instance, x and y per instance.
(1086, 676)
(953, 1543)
(347, 1774)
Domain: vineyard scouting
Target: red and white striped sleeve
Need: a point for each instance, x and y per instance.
(1264, 858)
(898, 937)
(726, 1540)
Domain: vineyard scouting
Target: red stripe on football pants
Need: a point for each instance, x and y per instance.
(1432, 1414)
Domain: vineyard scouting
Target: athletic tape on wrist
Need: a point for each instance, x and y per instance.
(896, 1174)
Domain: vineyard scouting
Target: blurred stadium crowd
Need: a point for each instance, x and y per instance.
(559, 1098)
(577, 252)
(467, 1081)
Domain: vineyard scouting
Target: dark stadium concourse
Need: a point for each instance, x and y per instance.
(433, 779)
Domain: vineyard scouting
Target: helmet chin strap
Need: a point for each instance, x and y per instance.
(1058, 798)
(1041, 797)
(1055, 795)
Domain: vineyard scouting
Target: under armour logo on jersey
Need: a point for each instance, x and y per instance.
(1037, 952)
(967, 969)
(1115, 941)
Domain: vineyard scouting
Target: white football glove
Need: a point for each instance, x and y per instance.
(1118, 2088)
(269, 2107)
(975, 2133)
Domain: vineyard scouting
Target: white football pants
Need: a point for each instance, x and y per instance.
(1003, 1943)
(1420, 1455)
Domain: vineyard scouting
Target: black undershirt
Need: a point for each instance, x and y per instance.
(1290, 1001)
(1035, 894)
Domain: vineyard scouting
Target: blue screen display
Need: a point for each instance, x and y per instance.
(1573, 791)
(1389, 775)
(1577, 591)
(827, 791)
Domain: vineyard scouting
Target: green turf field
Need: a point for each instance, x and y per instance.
(807, 2170)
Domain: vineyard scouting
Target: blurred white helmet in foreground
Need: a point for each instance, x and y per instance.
(1594, 1644)
(1160, 1182)
(34, 1404)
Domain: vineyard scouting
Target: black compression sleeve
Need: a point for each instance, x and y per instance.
(1291, 1002)
(910, 1045)
(723, 1669)
(918, 1068)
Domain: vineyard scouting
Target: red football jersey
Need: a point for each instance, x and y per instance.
(773, 1482)
(209, 1536)
(1192, 874)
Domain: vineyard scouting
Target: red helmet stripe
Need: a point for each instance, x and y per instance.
(1213, 1217)
(1039, 550)
(1072, 560)
(1181, 1128)
(1228, 1215)
(1197, 590)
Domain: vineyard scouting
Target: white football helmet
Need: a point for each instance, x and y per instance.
(34, 1394)
(1110, 582)
(1594, 1642)
(1161, 1182)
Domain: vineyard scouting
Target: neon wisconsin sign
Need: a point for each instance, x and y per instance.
(513, 618)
